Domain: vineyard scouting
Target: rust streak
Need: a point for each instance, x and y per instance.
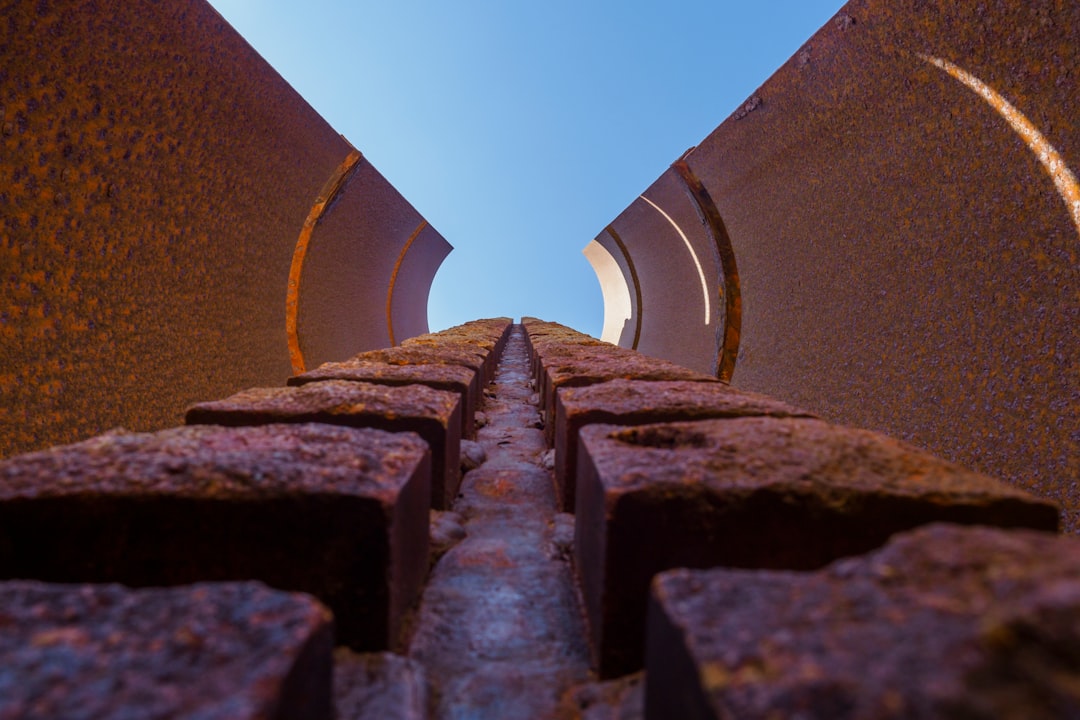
(393, 280)
(292, 296)
(729, 348)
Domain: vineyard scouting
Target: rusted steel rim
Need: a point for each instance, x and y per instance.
(633, 278)
(729, 347)
(325, 197)
(393, 280)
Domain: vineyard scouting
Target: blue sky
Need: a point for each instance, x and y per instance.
(520, 130)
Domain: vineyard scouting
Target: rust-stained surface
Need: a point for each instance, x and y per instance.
(941, 622)
(349, 274)
(434, 415)
(901, 199)
(754, 492)
(632, 402)
(341, 513)
(324, 199)
(221, 651)
(454, 378)
(378, 686)
(499, 631)
(155, 174)
(676, 275)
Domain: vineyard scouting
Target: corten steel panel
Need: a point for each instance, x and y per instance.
(407, 297)
(155, 173)
(907, 261)
(619, 288)
(678, 271)
(347, 271)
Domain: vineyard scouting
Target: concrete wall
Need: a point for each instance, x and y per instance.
(155, 176)
(901, 200)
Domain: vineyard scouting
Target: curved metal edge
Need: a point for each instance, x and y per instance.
(728, 352)
(393, 280)
(634, 279)
(326, 196)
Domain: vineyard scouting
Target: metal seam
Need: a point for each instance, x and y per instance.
(728, 352)
(634, 278)
(393, 280)
(326, 195)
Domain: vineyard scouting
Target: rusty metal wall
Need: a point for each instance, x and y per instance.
(155, 174)
(678, 274)
(902, 201)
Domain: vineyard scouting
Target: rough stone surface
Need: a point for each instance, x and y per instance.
(499, 630)
(341, 513)
(580, 365)
(434, 415)
(620, 699)
(454, 378)
(753, 492)
(378, 686)
(461, 354)
(213, 650)
(631, 402)
(942, 622)
(473, 455)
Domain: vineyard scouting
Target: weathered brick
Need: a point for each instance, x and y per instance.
(434, 415)
(213, 650)
(944, 621)
(454, 378)
(758, 492)
(589, 366)
(337, 512)
(632, 402)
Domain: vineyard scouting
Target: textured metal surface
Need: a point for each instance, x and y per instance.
(908, 239)
(155, 173)
(675, 274)
(407, 296)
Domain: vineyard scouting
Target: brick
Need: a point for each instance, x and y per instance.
(379, 686)
(447, 354)
(483, 348)
(589, 366)
(632, 402)
(546, 352)
(945, 621)
(434, 415)
(759, 492)
(454, 378)
(214, 650)
(337, 512)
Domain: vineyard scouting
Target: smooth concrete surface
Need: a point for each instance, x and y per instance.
(902, 201)
(155, 174)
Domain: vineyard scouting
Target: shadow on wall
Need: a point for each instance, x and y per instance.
(902, 201)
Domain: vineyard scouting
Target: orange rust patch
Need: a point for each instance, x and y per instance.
(393, 280)
(292, 296)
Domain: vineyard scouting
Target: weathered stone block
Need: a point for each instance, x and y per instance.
(589, 366)
(434, 415)
(379, 686)
(758, 492)
(454, 378)
(214, 650)
(943, 622)
(337, 512)
(632, 402)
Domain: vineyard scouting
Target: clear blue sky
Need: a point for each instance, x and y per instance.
(521, 129)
